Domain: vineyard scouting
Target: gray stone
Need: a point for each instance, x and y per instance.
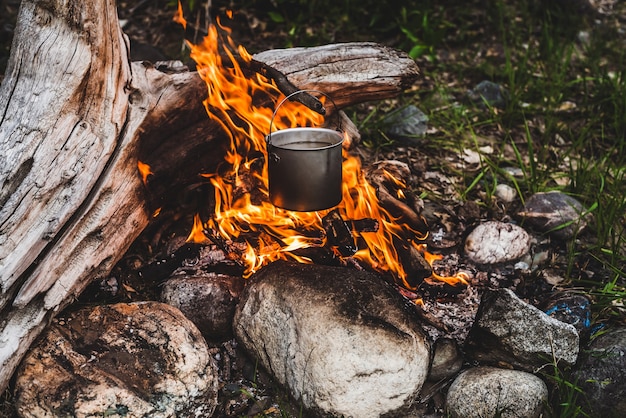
(483, 392)
(555, 213)
(407, 124)
(509, 330)
(342, 341)
(142, 359)
(488, 93)
(601, 374)
(208, 300)
(496, 242)
(447, 360)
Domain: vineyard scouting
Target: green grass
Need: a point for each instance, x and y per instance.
(564, 125)
(566, 398)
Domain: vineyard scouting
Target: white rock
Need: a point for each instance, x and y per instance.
(490, 392)
(505, 193)
(496, 242)
(343, 341)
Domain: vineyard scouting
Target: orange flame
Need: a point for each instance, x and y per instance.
(144, 171)
(178, 16)
(459, 278)
(197, 235)
(276, 232)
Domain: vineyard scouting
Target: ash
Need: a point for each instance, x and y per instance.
(452, 318)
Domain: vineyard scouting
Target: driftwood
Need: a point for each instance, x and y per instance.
(76, 116)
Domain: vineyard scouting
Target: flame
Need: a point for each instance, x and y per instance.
(178, 16)
(144, 171)
(273, 233)
(459, 278)
(197, 234)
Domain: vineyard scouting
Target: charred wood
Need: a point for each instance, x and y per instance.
(390, 178)
(415, 266)
(338, 235)
(161, 268)
(364, 225)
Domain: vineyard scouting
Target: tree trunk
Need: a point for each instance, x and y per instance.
(75, 118)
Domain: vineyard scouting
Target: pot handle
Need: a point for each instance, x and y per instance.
(269, 136)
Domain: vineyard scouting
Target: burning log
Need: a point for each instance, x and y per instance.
(416, 267)
(390, 178)
(77, 118)
(338, 234)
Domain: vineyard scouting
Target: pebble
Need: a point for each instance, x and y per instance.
(554, 213)
(496, 242)
(505, 193)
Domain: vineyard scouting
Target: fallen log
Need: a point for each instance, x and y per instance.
(76, 116)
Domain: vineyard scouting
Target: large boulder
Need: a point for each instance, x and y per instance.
(142, 359)
(344, 342)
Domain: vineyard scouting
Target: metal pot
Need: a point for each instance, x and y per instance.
(304, 167)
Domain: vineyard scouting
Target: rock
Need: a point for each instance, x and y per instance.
(342, 341)
(510, 331)
(505, 193)
(487, 93)
(572, 309)
(601, 375)
(142, 359)
(496, 242)
(208, 300)
(407, 124)
(555, 213)
(447, 360)
(491, 392)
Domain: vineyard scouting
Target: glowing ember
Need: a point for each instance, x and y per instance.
(272, 233)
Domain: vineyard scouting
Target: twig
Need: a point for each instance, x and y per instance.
(282, 82)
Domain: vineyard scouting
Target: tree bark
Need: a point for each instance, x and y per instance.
(75, 118)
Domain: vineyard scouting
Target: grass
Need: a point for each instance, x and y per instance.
(566, 398)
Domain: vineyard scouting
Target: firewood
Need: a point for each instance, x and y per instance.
(415, 266)
(77, 118)
(338, 234)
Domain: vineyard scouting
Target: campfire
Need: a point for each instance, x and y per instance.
(375, 224)
(86, 216)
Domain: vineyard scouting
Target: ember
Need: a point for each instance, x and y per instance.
(243, 211)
